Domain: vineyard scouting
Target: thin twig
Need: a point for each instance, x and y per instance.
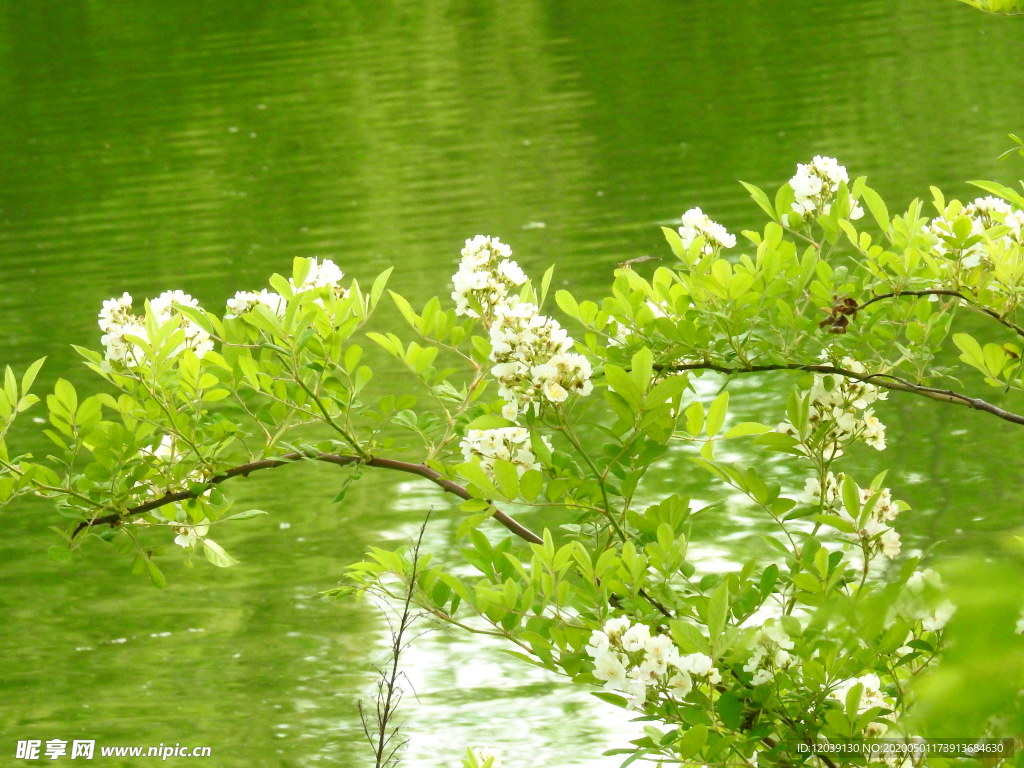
(886, 380)
(389, 691)
(981, 308)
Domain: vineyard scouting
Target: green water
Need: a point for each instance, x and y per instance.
(202, 145)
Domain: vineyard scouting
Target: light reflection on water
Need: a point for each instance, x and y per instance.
(202, 145)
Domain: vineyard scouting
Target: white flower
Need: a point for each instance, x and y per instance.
(122, 328)
(815, 186)
(598, 645)
(485, 277)
(609, 667)
(761, 677)
(636, 637)
(871, 696)
(246, 301)
(696, 224)
(321, 274)
(555, 392)
(531, 358)
(680, 684)
(510, 444)
(891, 544)
(189, 535)
(615, 628)
(660, 650)
(636, 690)
(773, 633)
(696, 663)
(937, 620)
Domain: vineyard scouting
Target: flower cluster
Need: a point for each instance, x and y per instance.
(122, 329)
(629, 659)
(771, 653)
(510, 444)
(871, 696)
(486, 275)
(984, 213)
(530, 352)
(244, 302)
(321, 274)
(696, 224)
(875, 528)
(816, 185)
(532, 361)
(840, 412)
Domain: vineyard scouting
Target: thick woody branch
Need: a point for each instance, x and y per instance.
(888, 381)
(244, 470)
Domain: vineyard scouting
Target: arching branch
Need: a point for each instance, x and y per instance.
(244, 470)
(886, 380)
(980, 308)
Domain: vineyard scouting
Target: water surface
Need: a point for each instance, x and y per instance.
(202, 145)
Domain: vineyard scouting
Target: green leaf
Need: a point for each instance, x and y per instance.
(716, 414)
(692, 741)
(610, 698)
(851, 497)
(215, 553)
(747, 428)
(246, 515)
(507, 478)
(624, 385)
(1000, 191)
(718, 609)
(877, 207)
(30, 374)
(406, 309)
(155, 574)
(761, 198)
(567, 303)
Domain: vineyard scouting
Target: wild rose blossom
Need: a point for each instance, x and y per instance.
(532, 361)
(321, 274)
(876, 528)
(511, 444)
(485, 277)
(628, 658)
(770, 652)
(189, 535)
(840, 413)
(871, 696)
(118, 323)
(244, 302)
(816, 185)
(696, 224)
(984, 213)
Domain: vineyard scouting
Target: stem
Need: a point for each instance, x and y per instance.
(599, 476)
(389, 678)
(243, 470)
(886, 380)
(956, 294)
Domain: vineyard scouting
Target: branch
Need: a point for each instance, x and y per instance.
(956, 294)
(244, 470)
(886, 380)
